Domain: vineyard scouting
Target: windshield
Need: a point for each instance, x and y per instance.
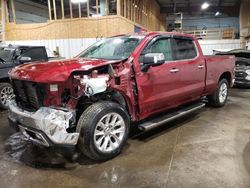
(113, 48)
(6, 54)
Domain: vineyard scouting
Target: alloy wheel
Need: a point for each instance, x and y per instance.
(223, 92)
(6, 94)
(109, 132)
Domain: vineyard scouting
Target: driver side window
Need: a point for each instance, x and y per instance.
(159, 46)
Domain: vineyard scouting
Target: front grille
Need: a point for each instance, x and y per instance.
(29, 95)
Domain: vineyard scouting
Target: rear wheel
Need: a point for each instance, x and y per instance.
(6, 93)
(103, 129)
(219, 98)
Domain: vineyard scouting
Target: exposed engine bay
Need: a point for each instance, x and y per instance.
(60, 105)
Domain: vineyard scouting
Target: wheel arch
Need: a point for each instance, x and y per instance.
(123, 100)
(226, 75)
(114, 96)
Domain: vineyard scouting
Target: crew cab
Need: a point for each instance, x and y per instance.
(91, 101)
(11, 56)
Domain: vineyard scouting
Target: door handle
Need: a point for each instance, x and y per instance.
(200, 66)
(174, 70)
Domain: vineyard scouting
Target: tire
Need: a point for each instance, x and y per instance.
(219, 98)
(98, 141)
(6, 92)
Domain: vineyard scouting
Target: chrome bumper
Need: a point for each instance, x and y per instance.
(46, 126)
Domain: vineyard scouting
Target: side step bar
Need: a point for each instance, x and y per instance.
(151, 124)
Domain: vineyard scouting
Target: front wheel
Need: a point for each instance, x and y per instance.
(219, 98)
(6, 93)
(103, 129)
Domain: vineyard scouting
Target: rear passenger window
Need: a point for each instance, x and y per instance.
(159, 46)
(36, 54)
(183, 49)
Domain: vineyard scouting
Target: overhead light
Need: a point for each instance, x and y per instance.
(217, 13)
(78, 1)
(205, 5)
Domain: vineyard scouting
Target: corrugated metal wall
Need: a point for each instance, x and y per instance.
(209, 45)
(71, 47)
(67, 47)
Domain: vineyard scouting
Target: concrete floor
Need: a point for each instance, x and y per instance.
(208, 149)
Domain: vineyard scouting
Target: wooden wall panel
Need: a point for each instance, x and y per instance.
(144, 12)
(67, 28)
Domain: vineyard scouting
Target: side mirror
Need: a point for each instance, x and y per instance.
(152, 59)
(24, 59)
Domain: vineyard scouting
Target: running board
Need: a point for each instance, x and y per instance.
(151, 124)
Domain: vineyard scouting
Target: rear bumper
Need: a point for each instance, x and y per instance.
(46, 126)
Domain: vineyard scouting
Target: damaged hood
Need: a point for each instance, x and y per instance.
(55, 71)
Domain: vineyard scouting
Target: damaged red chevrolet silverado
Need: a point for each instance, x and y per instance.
(90, 101)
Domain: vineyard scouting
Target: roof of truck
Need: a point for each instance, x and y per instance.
(154, 33)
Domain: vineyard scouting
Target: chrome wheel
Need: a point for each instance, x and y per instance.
(223, 92)
(109, 132)
(6, 94)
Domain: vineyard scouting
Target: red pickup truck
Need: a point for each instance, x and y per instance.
(91, 100)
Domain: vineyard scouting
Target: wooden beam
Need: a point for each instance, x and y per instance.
(107, 7)
(13, 11)
(54, 8)
(97, 7)
(62, 6)
(132, 10)
(128, 7)
(87, 8)
(125, 8)
(79, 7)
(49, 6)
(71, 11)
(6, 11)
(118, 7)
(134, 15)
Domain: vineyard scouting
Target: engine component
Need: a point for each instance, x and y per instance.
(95, 85)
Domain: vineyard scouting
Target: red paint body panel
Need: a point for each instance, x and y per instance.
(214, 70)
(156, 90)
(54, 71)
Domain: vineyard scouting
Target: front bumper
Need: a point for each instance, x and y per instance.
(46, 126)
(242, 83)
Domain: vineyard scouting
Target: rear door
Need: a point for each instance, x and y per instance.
(191, 67)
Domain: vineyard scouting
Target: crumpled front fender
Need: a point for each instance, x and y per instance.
(52, 122)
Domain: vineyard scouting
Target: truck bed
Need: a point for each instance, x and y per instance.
(214, 71)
